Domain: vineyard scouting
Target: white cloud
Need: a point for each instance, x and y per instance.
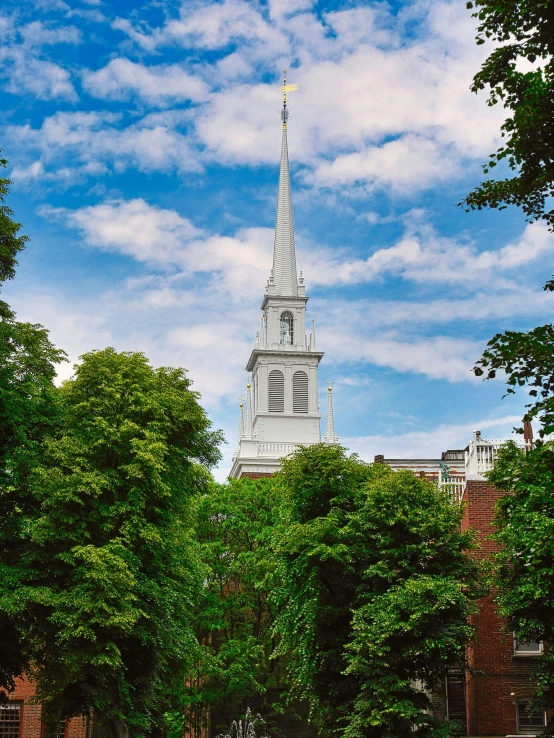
(149, 234)
(283, 8)
(215, 25)
(437, 357)
(373, 108)
(424, 256)
(38, 34)
(25, 73)
(409, 161)
(163, 83)
(163, 239)
(93, 142)
(383, 100)
(23, 68)
(414, 315)
(429, 444)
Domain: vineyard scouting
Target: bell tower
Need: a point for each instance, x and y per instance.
(282, 396)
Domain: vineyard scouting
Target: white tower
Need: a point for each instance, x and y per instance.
(283, 363)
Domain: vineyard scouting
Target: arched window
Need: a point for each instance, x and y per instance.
(276, 391)
(286, 334)
(300, 392)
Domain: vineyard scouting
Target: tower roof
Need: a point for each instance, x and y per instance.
(285, 279)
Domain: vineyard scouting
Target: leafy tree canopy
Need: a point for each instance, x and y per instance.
(234, 524)
(109, 572)
(27, 412)
(377, 589)
(519, 74)
(10, 242)
(525, 561)
(527, 360)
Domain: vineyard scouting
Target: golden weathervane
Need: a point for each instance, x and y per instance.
(284, 89)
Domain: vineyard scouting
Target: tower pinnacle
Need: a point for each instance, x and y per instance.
(330, 437)
(284, 279)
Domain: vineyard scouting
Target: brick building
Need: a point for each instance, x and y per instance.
(20, 716)
(492, 699)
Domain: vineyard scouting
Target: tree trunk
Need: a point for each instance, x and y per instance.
(119, 728)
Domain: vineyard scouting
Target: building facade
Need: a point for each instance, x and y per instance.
(491, 698)
(21, 716)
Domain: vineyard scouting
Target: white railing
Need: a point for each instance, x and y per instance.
(481, 454)
(276, 449)
(454, 484)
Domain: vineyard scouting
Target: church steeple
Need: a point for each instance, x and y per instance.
(282, 410)
(284, 277)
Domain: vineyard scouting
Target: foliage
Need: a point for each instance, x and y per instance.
(233, 524)
(109, 572)
(525, 561)
(527, 359)
(519, 73)
(10, 242)
(27, 413)
(377, 588)
(27, 410)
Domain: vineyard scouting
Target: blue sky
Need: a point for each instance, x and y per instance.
(144, 142)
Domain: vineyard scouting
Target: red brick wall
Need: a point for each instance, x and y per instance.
(31, 724)
(491, 696)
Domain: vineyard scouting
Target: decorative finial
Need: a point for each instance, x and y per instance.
(329, 388)
(284, 89)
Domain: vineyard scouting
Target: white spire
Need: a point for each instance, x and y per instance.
(241, 420)
(248, 421)
(330, 436)
(284, 257)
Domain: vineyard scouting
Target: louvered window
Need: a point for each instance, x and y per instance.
(286, 334)
(300, 392)
(276, 391)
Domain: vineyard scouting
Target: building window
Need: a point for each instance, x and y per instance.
(456, 696)
(527, 649)
(62, 730)
(10, 719)
(286, 333)
(276, 391)
(300, 392)
(529, 722)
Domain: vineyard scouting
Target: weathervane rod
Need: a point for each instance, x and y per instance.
(284, 89)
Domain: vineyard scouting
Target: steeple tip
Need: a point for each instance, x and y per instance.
(284, 277)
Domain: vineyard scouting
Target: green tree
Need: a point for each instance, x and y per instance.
(27, 410)
(519, 74)
(10, 242)
(525, 561)
(377, 590)
(109, 571)
(526, 360)
(234, 524)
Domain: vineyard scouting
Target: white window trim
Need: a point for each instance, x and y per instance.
(528, 730)
(518, 652)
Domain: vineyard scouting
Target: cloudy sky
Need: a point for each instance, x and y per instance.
(144, 140)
